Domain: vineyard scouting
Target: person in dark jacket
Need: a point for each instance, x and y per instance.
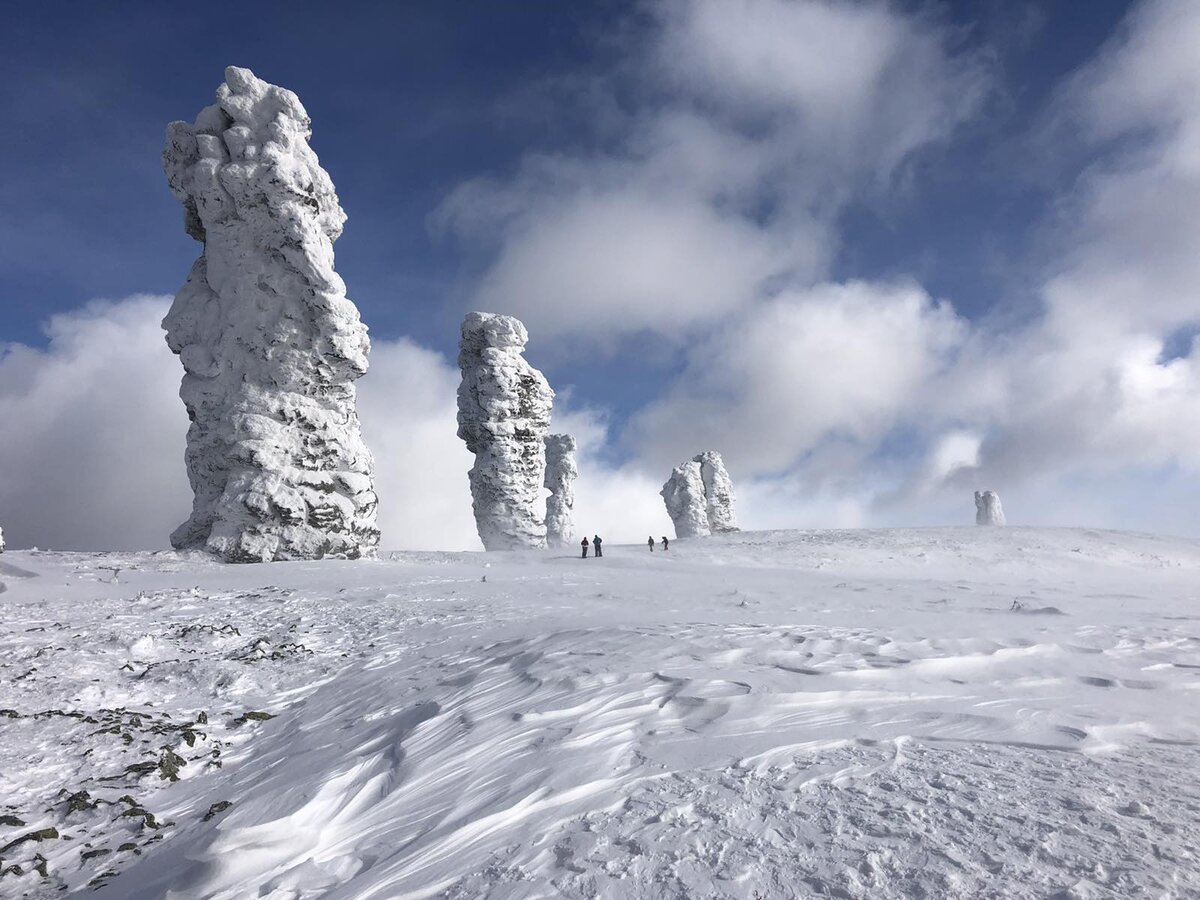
(650, 543)
(583, 544)
(596, 542)
(664, 542)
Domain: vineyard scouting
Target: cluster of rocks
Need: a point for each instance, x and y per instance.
(699, 497)
(270, 345)
(271, 348)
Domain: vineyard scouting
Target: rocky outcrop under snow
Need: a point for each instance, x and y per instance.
(686, 505)
(718, 492)
(503, 416)
(270, 345)
(699, 497)
(561, 471)
(987, 508)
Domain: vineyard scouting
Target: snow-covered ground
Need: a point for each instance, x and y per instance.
(937, 712)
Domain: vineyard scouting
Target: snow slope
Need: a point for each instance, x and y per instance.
(935, 712)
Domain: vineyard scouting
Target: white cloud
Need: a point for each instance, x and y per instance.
(750, 124)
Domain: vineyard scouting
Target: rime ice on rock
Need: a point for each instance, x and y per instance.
(699, 497)
(686, 505)
(987, 509)
(718, 492)
(561, 472)
(1, 540)
(503, 415)
(270, 345)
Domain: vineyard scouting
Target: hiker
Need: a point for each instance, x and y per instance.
(650, 543)
(583, 544)
(664, 542)
(596, 542)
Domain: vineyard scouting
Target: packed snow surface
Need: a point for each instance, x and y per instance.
(270, 344)
(879, 714)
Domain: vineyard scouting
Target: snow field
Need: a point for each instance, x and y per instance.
(937, 712)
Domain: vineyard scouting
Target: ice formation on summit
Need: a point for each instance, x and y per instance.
(270, 345)
(1, 540)
(987, 508)
(561, 472)
(699, 496)
(718, 492)
(686, 505)
(503, 416)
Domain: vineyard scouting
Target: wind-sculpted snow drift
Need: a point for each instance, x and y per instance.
(269, 343)
(987, 508)
(561, 471)
(699, 497)
(503, 416)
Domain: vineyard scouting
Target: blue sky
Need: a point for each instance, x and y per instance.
(878, 253)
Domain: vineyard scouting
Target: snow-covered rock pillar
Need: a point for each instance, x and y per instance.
(270, 345)
(504, 416)
(1, 540)
(686, 505)
(987, 509)
(718, 492)
(561, 471)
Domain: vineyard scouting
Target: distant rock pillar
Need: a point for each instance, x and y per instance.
(561, 472)
(504, 409)
(987, 508)
(718, 492)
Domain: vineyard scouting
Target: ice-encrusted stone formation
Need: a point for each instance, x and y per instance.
(699, 496)
(718, 492)
(561, 471)
(686, 504)
(504, 416)
(270, 345)
(987, 508)
(1, 540)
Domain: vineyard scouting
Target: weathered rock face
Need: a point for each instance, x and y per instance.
(718, 492)
(699, 496)
(987, 509)
(1, 540)
(561, 471)
(686, 505)
(269, 343)
(503, 415)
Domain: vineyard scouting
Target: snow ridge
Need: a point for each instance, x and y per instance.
(269, 343)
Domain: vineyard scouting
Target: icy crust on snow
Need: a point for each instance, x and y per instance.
(718, 492)
(504, 409)
(561, 472)
(951, 712)
(270, 345)
(699, 497)
(686, 505)
(987, 508)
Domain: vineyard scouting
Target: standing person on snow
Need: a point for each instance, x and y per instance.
(583, 544)
(596, 542)
(650, 543)
(664, 542)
